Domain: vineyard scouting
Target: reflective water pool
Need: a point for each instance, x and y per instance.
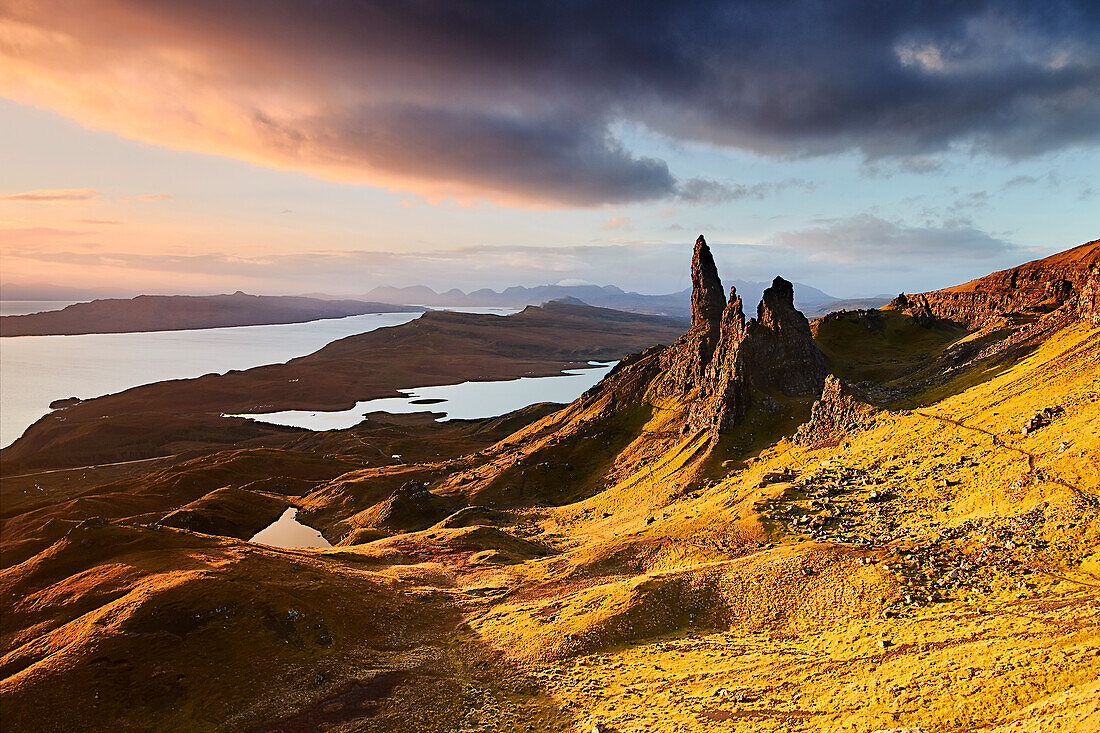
(465, 401)
(287, 531)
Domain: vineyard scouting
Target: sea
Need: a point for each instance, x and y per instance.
(36, 370)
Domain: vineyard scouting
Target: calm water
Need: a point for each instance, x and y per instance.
(465, 401)
(287, 531)
(36, 370)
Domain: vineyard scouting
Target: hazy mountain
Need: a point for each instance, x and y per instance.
(178, 312)
(607, 296)
(46, 291)
(844, 304)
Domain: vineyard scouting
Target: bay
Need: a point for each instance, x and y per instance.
(464, 401)
(36, 370)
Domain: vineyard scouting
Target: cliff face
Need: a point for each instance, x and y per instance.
(725, 362)
(1067, 283)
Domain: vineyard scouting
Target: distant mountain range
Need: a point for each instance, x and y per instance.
(809, 300)
(179, 312)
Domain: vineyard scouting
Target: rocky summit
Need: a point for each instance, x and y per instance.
(725, 363)
(884, 520)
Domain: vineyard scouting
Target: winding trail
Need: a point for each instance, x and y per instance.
(90, 466)
(996, 438)
(1031, 457)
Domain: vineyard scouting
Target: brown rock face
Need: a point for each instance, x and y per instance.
(707, 299)
(774, 352)
(725, 362)
(841, 410)
(696, 348)
(782, 354)
(1068, 283)
(1088, 300)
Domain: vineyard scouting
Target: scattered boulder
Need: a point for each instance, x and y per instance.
(1041, 419)
(775, 477)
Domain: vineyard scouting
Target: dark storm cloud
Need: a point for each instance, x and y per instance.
(574, 161)
(520, 100)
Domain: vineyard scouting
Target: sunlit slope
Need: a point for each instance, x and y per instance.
(973, 562)
(935, 568)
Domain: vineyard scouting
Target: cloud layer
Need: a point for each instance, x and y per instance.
(53, 195)
(862, 255)
(519, 102)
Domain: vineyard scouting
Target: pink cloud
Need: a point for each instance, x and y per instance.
(53, 195)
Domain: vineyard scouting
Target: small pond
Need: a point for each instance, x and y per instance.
(287, 531)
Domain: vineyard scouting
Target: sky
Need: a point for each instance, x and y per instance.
(863, 148)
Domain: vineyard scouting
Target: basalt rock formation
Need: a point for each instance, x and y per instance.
(1066, 284)
(725, 362)
(841, 409)
(686, 362)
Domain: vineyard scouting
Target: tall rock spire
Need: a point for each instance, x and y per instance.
(707, 299)
(726, 363)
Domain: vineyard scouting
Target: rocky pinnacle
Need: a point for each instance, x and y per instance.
(707, 299)
(727, 363)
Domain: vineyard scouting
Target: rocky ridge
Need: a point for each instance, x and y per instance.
(1066, 284)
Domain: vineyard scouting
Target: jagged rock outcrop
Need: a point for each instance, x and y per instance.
(685, 369)
(707, 299)
(916, 307)
(841, 409)
(780, 352)
(724, 361)
(1088, 300)
(1067, 283)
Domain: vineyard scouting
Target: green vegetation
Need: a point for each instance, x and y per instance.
(881, 346)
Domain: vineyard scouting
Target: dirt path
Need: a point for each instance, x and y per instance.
(92, 466)
(1031, 457)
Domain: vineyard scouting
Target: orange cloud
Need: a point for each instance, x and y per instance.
(617, 222)
(53, 195)
(154, 197)
(178, 78)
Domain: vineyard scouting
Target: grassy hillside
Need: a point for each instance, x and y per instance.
(938, 568)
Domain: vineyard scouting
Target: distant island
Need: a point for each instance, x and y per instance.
(183, 312)
(811, 301)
